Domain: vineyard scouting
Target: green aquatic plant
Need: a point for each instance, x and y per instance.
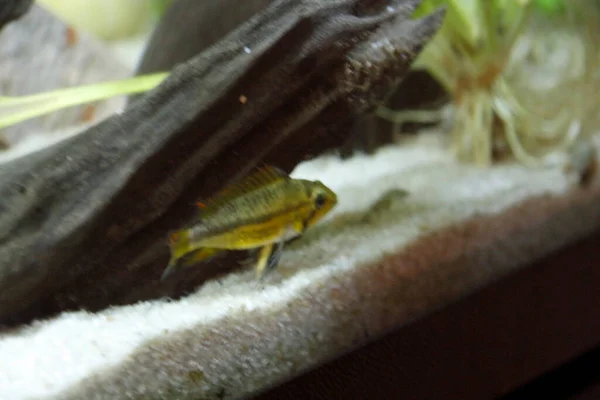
(159, 7)
(550, 6)
(16, 109)
(522, 75)
(108, 20)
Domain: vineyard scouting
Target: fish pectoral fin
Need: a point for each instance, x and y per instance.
(268, 258)
(194, 257)
(299, 226)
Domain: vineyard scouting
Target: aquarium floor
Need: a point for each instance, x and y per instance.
(414, 239)
(535, 334)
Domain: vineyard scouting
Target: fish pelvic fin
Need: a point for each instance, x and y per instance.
(268, 259)
(179, 243)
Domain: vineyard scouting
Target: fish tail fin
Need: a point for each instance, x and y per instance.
(179, 243)
(172, 267)
(194, 257)
(202, 255)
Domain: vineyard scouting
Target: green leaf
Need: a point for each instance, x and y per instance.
(17, 109)
(550, 6)
(159, 7)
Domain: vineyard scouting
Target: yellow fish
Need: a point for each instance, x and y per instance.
(263, 210)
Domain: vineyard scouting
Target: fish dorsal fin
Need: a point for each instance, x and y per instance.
(262, 176)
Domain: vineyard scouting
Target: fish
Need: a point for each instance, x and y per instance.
(260, 212)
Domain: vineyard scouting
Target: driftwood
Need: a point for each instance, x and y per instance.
(83, 223)
(205, 23)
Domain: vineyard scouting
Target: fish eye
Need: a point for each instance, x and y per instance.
(319, 200)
